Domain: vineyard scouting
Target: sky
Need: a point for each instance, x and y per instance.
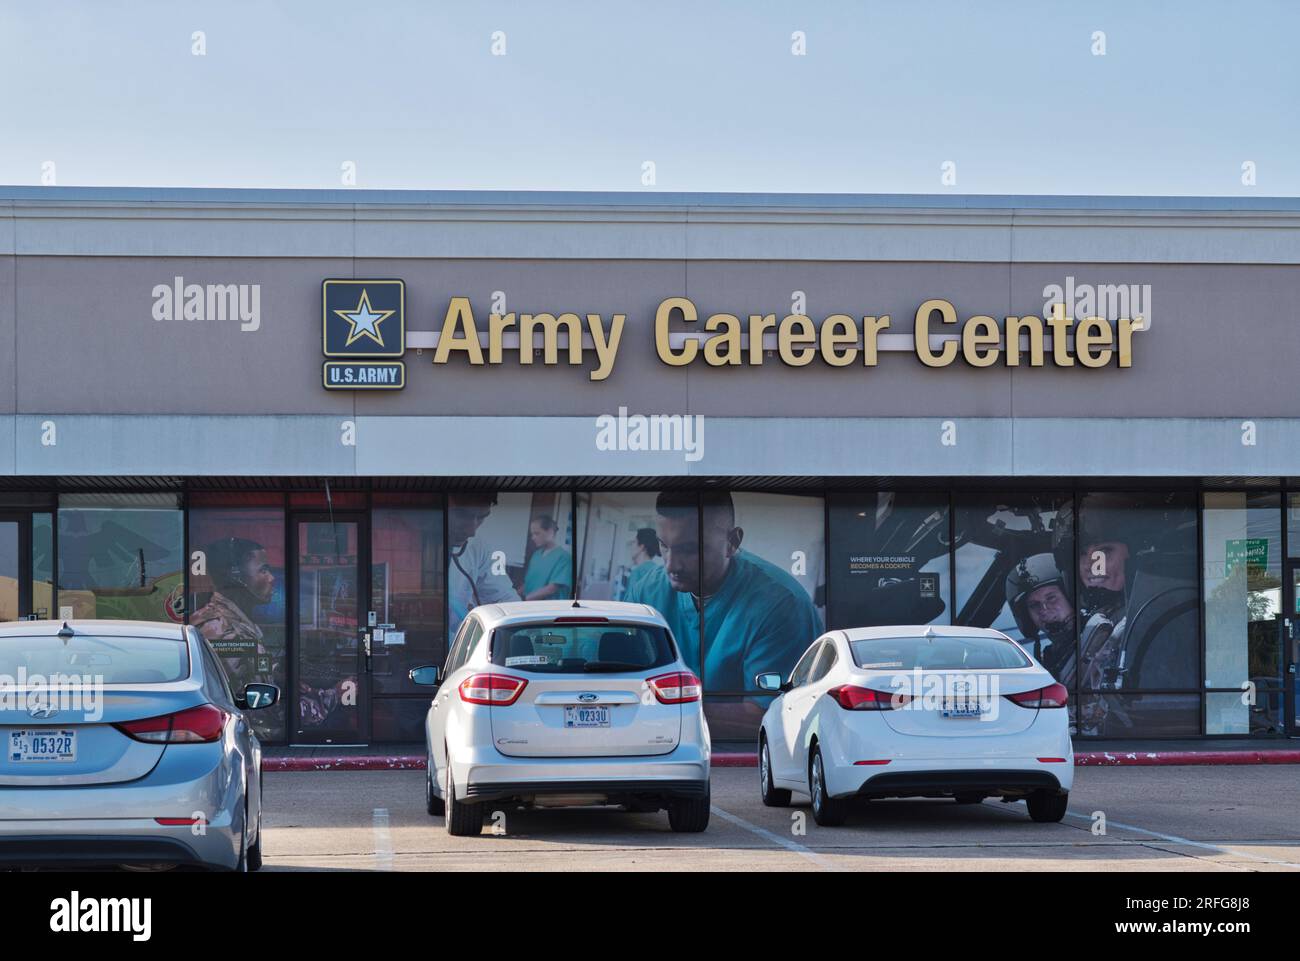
(822, 96)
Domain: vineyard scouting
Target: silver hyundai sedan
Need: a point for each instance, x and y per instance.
(550, 703)
(123, 744)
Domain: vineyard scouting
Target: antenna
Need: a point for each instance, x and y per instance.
(575, 603)
(65, 631)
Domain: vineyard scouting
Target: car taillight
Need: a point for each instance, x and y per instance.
(854, 698)
(1054, 695)
(499, 689)
(195, 725)
(680, 687)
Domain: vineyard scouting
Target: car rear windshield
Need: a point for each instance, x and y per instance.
(581, 649)
(111, 660)
(937, 653)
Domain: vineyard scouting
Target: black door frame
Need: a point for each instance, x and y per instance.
(361, 518)
(1290, 646)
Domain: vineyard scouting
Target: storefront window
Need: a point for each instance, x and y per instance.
(237, 599)
(629, 551)
(764, 583)
(120, 556)
(1014, 557)
(507, 547)
(1142, 715)
(889, 559)
(407, 560)
(1138, 608)
(1242, 554)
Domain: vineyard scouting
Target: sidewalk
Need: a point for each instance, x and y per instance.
(1194, 751)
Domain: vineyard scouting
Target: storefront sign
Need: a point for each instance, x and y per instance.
(364, 321)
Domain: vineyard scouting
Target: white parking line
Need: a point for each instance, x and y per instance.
(1175, 839)
(775, 838)
(383, 841)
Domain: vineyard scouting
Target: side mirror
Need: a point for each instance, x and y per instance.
(425, 676)
(257, 696)
(769, 682)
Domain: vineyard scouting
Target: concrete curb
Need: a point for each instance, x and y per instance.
(402, 762)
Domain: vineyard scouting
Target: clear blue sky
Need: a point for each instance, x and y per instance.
(709, 91)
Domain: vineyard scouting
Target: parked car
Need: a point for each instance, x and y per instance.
(917, 711)
(144, 758)
(550, 703)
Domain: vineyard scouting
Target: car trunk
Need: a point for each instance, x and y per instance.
(77, 746)
(942, 715)
(589, 715)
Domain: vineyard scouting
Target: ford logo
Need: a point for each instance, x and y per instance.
(588, 698)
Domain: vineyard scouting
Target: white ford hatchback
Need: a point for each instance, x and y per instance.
(881, 712)
(555, 703)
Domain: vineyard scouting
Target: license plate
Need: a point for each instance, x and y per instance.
(961, 708)
(43, 745)
(586, 717)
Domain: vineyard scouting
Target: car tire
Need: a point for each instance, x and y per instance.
(828, 812)
(773, 796)
(464, 820)
(254, 855)
(433, 804)
(689, 815)
(1048, 807)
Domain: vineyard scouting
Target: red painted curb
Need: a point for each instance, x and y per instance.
(1141, 758)
(399, 762)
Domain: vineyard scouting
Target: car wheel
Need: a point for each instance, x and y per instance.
(432, 803)
(827, 811)
(254, 855)
(463, 820)
(1047, 807)
(689, 815)
(773, 796)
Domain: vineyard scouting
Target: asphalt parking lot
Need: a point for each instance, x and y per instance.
(1194, 818)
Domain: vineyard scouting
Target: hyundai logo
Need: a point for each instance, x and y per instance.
(588, 698)
(42, 712)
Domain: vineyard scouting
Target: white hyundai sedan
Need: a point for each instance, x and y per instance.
(916, 711)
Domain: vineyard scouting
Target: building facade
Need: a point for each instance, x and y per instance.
(322, 425)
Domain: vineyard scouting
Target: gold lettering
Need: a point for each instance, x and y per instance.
(459, 315)
(979, 340)
(839, 330)
(789, 342)
(662, 343)
(948, 314)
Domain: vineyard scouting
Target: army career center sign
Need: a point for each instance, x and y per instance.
(364, 335)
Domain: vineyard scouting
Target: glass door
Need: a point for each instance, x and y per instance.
(13, 579)
(331, 629)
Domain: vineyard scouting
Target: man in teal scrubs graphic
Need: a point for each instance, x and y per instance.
(757, 617)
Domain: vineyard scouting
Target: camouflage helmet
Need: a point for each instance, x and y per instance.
(1029, 575)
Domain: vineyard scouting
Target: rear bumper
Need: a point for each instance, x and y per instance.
(922, 783)
(75, 844)
(486, 774)
(613, 791)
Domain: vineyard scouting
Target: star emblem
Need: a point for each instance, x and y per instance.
(365, 321)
